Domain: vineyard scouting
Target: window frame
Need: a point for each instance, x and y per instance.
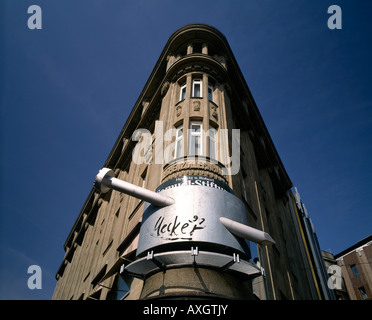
(244, 187)
(195, 134)
(213, 142)
(124, 281)
(355, 270)
(177, 141)
(210, 92)
(363, 292)
(183, 92)
(200, 82)
(143, 178)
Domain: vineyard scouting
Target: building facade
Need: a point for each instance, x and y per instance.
(356, 269)
(336, 280)
(312, 254)
(195, 135)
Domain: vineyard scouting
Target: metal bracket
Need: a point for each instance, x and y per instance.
(122, 268)
(194, 252)
(155, 262)
(135, 275)
(263, 271)
(235, 259)
(150, 256)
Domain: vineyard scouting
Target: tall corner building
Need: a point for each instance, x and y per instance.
(195, 137)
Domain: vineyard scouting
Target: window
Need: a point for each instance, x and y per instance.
(355, 270)
(99, 276)
(195, 139)
(179, 143)
(212, 143)
(183, 92)
(123, 287)
(143, 178)
(197, 48)
(244, 188)
(363, 293)
(210, 92)
(197, 88)
(142, 182)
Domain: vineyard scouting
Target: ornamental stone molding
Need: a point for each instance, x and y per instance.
(185, 167)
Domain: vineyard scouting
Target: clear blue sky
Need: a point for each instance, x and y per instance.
(66, 92)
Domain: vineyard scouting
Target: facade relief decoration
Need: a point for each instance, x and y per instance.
(196, 105)
(228, 88)
(164, 88)
(214, 111)
(145, 104)
(178, 110)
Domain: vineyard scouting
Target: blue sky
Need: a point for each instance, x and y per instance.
(66, 92)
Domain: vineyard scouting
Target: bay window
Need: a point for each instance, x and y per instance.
(195, 139)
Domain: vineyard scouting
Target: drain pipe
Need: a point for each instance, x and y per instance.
(105, 180)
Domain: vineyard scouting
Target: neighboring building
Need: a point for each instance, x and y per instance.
(335, 276)
(312, 254)
(121, 247)
(356, 268)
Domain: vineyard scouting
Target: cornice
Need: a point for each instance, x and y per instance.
(196, 62)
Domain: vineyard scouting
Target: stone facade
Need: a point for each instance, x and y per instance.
(356, 269)
(196, 85)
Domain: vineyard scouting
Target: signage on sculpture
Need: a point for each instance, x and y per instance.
(193, 218)
(177, 228)
(194, 181)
